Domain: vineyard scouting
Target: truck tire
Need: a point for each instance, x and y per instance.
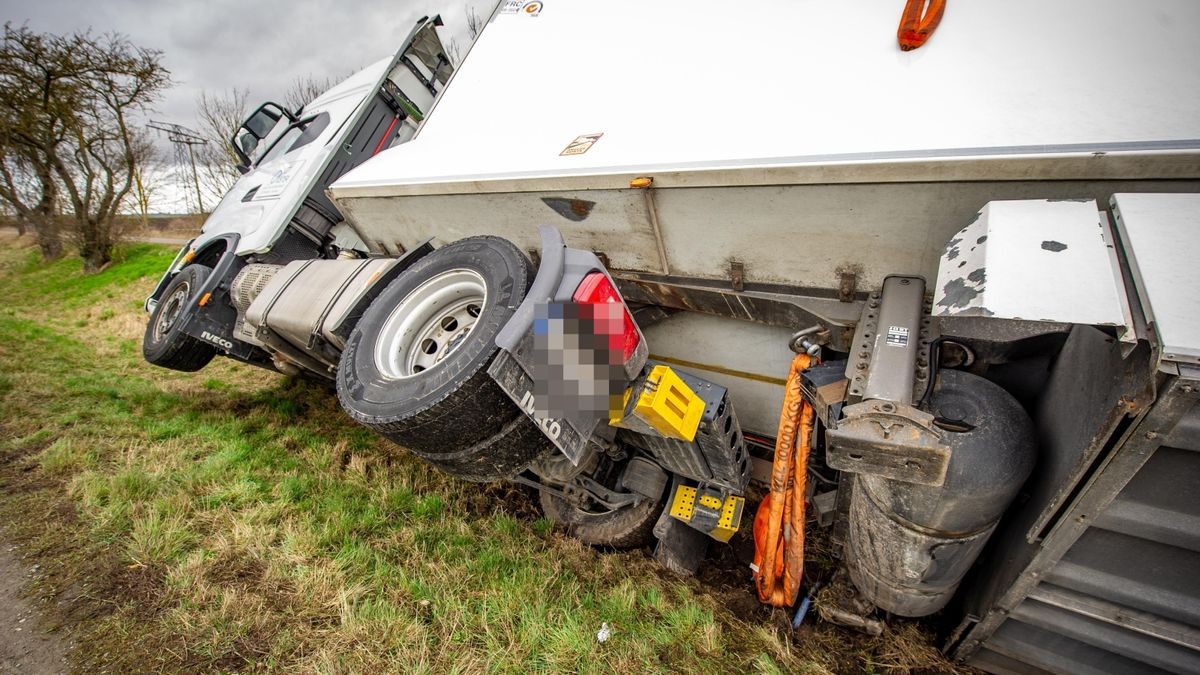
(415, 366)
(624, 528)
(164, 344)
(503, 455)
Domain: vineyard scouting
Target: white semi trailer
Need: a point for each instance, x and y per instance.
(588, 263)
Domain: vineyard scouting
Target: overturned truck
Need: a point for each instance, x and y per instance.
(587, 260)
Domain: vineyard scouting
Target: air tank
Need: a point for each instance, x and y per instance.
(910, 545)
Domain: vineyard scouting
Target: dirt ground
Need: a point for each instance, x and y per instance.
(171, 232)
(24, 646)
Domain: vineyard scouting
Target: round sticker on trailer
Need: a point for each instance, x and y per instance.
(528, 8)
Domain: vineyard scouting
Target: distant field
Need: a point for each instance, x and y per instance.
(233, 520)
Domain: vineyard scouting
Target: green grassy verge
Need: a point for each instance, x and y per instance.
(233, 520)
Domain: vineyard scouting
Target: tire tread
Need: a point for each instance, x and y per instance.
(465, 429)
(629, 527)
(181, 352)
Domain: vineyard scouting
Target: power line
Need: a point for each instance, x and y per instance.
(184, 139)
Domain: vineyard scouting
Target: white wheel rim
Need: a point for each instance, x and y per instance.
(171, 310)
(430, 324)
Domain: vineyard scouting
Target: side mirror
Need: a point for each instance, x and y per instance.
(255, 129)
(248, 142)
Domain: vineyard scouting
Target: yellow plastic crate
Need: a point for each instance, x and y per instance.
(669, 406)
(729, 520)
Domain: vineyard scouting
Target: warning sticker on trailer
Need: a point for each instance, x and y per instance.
(580, 145)
(897, 336)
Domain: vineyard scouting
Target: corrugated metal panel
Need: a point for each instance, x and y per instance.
(995, 662)
(1124, 596)
(1030, 649)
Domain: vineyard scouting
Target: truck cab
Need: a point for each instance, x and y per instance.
(278, 209)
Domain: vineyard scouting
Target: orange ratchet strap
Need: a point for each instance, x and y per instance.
(779, 523)
(918, 22)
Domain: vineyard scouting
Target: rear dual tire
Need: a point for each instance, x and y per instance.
(416, 373)
(415, 367)
(624, 528)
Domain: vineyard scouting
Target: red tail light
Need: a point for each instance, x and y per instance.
(611, 316)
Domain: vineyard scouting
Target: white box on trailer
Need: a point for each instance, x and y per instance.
(795, 137)
(693, 85)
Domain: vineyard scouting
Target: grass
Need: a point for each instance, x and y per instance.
(235, 520)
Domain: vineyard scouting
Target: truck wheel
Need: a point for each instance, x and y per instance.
(415, 366)
(164, 344)
(504, 454)
(627, 527)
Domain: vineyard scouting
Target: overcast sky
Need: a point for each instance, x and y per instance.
(262, 45)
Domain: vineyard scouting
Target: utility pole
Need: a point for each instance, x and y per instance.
(183, 137)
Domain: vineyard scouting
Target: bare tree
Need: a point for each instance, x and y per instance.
(69, 104)
(98, 172)
(474, 22)
(37, 79)
(21, 188)
(304, 89)
(147, 175)
(454, 52)
(220, 116)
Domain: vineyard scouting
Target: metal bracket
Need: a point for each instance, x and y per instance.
(582, 488)
(888, 439)
(604, 496)
(847, 284)
(761, 303)
(891, 333)
(737, 275)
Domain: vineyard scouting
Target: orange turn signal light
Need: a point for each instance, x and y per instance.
(919, 20)
(641, 183)
(205, 298)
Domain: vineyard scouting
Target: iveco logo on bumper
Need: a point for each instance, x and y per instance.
(550, 427)
(216, 340)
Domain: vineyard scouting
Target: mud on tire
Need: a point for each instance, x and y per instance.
(163, 343)
(628, 527)
(415, 366)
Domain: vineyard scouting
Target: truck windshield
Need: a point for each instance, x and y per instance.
(281, 145)
(297, 136)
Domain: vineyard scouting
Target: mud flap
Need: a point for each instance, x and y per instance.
(560, 273)
(210, 315)
(680, 549)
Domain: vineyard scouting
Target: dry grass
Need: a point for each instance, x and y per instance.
(233, 520)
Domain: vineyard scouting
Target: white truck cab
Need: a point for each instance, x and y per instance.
(278, 208)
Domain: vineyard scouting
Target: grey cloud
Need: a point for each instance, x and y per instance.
(261, 45)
